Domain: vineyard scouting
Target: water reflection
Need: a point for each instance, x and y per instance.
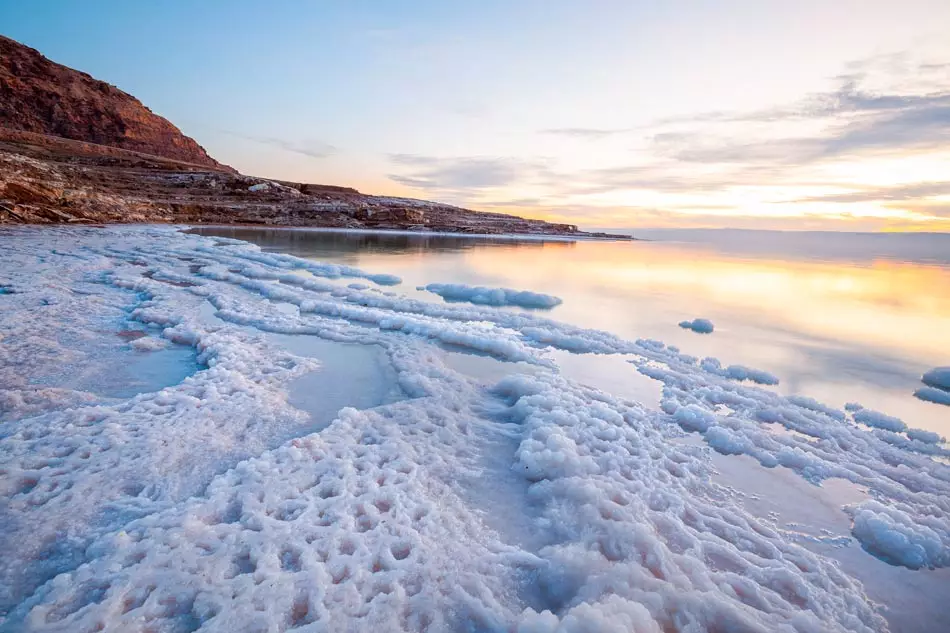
(860, 328)
(901, 307)
(922, 248)
(111, 369)
(354, 244)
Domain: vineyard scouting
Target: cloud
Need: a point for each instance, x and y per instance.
(661, 176)
(855, 121)
(587, 133)
(912, 191)
(936, 209)
(307, 147)
(849, 96)
(883, 129)
(634, 218)
(311, 148)
(458, 175)
(881, 107)
(923, 124)
(515, 202)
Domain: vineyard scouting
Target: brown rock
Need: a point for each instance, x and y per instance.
(77, 150)
(37, 95)
(392, 215)
(30, 193)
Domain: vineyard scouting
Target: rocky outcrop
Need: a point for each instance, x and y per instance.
(45, 179)
(77, 150)
(41, 96)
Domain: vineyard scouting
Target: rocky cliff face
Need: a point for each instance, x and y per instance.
(40, 96)
(48, 179)
(77, 150)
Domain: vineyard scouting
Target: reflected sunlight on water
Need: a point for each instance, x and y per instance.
(860, 327)
(902, 307)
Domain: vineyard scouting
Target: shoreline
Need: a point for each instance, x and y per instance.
(549, 237)
(185, 228)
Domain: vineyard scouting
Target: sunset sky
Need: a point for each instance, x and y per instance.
(829, 114)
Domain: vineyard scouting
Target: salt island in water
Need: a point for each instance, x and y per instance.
(233, 490)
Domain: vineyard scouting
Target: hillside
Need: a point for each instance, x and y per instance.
(41, 96)
(77, 150)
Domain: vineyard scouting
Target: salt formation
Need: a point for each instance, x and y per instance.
(932, 394)
(208, 505)
(700, 326)
(480, 295)
(938, 386)
(938, 377)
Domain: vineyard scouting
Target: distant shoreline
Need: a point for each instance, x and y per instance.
(582, 236)
(547, 237)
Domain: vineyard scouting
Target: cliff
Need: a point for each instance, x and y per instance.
(77, 150)
(41, 96)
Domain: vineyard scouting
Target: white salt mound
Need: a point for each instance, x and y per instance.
(214, 505)
(938, 377)
(739, 372)
(927, 437)
(879, 420)
(701, 326)
(898, 538)
(932, 394)
(481, 295)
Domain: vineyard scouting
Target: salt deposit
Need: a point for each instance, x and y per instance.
(700, 326)
(211, 504)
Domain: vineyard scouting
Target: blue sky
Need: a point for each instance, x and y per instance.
(832, 114)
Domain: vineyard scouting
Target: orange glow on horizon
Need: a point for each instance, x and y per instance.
(878, 304)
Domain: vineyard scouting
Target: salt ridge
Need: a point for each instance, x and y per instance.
(200, 504)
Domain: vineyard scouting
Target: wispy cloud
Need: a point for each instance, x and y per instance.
(937, 209)
(855, 122)
(878, 109)
(716, 151)
(914, 191)
(307, 147)
(460, 175)
(514, 202)
(310, 147)
(661, 176)
(587, 133)
(907, 85)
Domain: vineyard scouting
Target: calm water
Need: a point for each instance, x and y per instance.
(840, 317)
